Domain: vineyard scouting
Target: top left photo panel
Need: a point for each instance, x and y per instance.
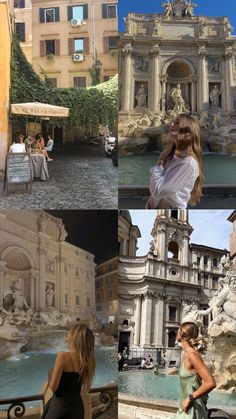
(58, 104)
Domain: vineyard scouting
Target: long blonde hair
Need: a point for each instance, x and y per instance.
(190, 332)
(189, 140)
(82, 339)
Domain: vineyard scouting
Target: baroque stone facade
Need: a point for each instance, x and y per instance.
(106, 284)
(176, 61)
(156, 288)
(38, 269)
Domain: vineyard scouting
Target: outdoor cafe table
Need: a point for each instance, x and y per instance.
(39, 166)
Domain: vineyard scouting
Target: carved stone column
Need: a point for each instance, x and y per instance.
(194, 93)
(33, 288)
(154, 87)
(163, 92)
(158, 321)
(127, 53)
(161, 230)
(146, 322)
(41, 283)
(2, 273)
(228, 81)
(186, 249)
(203, 96)
(137, 320)
(61, 285)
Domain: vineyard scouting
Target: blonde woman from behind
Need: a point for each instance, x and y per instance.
(72, 376)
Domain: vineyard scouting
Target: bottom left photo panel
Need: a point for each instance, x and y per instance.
(58, 314)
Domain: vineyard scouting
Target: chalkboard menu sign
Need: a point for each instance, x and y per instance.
(18, 169)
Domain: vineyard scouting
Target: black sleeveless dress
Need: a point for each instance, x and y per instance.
(66, 402)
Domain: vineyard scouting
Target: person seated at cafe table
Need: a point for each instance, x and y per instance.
(41, 145)
(50, 143)
(18, 146)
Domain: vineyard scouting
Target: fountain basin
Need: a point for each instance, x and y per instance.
(147, 384)
(24, 374)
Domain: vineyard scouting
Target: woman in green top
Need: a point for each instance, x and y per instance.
(196, 380)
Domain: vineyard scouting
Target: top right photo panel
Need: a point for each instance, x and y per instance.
(177, 104)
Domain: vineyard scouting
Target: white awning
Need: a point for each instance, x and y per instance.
(39, 109)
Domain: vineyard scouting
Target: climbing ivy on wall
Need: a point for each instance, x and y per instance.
(88, 107)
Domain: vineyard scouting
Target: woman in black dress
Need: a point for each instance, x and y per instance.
(73, 371)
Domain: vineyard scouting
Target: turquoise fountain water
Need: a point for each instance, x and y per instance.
(148, 385)
(24, 374)
(218, 169)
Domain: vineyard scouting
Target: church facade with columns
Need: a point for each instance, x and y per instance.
(40, 270)
(176, 55)
(155, 288)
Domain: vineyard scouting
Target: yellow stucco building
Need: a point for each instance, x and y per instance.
(61, 38)
(6, 18)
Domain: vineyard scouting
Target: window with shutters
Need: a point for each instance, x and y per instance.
(79, 81)
(79, 12)
(109, 11)
(49, 15)
(113, 42)
(20, 31)
(19, 4)
(79, 45)
(52, 81)
(50, 47)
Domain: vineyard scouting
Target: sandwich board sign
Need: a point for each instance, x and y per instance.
(18, 170)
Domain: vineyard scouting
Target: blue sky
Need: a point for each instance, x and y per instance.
(205, 7)
(211, 228)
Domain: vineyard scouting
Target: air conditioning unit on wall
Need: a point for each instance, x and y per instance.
(78, 57)
(75, 22)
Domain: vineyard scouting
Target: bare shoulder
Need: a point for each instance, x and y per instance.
(61, 356)
(195, 357)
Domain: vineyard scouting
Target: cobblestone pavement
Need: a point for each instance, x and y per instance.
(80, 178)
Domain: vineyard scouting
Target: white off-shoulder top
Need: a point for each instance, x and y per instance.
(175, 182)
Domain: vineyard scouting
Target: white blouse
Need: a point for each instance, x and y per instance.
(17, 148)
(175, 182)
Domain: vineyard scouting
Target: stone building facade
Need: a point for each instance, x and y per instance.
(128, 234)
(61, 39)
(41, 268)
(155, 288)
(106, 294)
(158, 52)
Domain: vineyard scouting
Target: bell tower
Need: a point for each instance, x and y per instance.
(171, 233)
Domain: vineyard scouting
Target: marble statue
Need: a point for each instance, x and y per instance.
(191, 314)
(202, 27)
(62, 231)
(216, 120)
(128, 24)
(179, 103)
(215, 97)
(188, 10)
(49, 295)
(42, 223)
(156, 27)
(141, 64)
(18, 296)
(141, 97)
(168, 9)
(204, 122)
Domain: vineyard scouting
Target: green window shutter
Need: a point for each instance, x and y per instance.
(85, 11)
(69, 12)
(57, 14)
(41, 15)
(104, 11)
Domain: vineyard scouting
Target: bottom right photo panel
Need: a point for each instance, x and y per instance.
(177, 314)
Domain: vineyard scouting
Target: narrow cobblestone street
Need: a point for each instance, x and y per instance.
(80, 178)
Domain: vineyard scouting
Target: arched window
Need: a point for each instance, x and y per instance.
(125, 323)
(173, 250)
(171, 339)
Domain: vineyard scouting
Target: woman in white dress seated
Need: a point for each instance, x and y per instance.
(18, 146)
(177, 179)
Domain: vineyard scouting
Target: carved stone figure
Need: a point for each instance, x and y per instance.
(202, 27)
(42, 222)
(179, 103)
(156, 26)
(49, 295)
(128, 24)
(188, 10)
(227, 27)
(141, 97)
(18, 296)
(215, 97)
(204, 122)
(141, 64)
(191, 314)
(168, 9)
(216, 120)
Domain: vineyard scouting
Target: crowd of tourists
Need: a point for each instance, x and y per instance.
(33, 144)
